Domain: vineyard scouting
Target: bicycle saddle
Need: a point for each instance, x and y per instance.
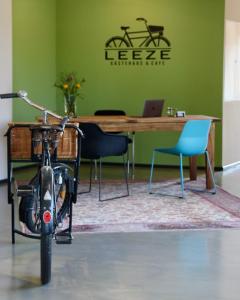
(125, 27)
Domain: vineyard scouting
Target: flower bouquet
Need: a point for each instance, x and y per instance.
(70, 86)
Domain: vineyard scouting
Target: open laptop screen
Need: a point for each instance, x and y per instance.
(153, 108)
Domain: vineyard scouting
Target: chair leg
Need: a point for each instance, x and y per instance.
(128, 162)
(95, 169)
(211, 172)
(100, 181)
(125, 175)
(181, 175)
(133, 155)
(90, 176)
(90, 180)
(151, 173)
(181, 178)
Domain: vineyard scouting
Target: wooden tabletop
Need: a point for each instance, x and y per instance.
(137, 119)
(136, 123)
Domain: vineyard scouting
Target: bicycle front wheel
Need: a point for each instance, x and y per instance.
(117, 42)
(46, 258)
(47, 221)
(29, 209)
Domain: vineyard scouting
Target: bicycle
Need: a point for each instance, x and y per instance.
(152, 38)
(48, 197)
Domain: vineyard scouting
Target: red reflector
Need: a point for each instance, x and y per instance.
(47, 217)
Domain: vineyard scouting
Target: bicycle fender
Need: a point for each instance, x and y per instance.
(47, 200)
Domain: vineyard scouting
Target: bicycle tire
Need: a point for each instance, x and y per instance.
(29, 207)
(117, 42)
(46, 258)
(156, 41)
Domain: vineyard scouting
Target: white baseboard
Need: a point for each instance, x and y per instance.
(235, 164)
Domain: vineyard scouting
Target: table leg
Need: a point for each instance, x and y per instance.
(133, 154)
(193, 168)
(211, 150)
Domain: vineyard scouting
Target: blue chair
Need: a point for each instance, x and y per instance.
(192, 141)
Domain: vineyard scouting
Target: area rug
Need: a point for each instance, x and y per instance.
(142, 211)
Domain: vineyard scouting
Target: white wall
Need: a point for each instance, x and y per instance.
(231, 99)
(5, 77)
(232, 61)
(232, 10)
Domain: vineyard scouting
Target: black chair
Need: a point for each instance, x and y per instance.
(96, 145)
(118, 112)
(109, 112)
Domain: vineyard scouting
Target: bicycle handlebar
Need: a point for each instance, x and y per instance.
(141, 19)
(24, 96)
(9, 95)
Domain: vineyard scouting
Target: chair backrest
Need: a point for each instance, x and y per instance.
(92, 136)
(97, 143)
(110, 112)
(194, 137)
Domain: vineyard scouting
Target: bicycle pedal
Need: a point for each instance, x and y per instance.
(63, 238)
(25, 190)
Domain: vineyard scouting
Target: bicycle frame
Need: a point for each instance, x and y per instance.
(129, 38)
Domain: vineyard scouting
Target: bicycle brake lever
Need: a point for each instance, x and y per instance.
(64, 122)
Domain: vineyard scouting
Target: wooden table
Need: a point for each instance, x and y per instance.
(140, 124)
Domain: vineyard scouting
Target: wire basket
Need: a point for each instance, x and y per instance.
(156, 28)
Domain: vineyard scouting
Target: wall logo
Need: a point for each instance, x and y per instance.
(145, 47)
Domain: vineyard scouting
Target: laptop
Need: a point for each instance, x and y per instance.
(153, 108)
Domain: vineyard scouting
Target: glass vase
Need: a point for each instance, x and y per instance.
(70, 107)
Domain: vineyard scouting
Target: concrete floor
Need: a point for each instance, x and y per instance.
(166, 265)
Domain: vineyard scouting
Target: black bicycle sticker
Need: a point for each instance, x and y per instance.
(149, 46)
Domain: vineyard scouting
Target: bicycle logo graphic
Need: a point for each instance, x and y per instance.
(152, 38)
(144, 45)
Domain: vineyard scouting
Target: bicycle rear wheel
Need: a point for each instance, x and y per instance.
(46, 258)
(117, 42)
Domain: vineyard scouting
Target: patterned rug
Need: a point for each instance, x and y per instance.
(142, 211)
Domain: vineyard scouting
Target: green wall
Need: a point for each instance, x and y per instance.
(34, 54)
(191, 80)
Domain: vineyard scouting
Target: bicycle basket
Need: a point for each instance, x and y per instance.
(21, 144)
(155, 28)
(53, 138)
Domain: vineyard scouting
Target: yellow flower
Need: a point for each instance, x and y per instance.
(65, 86)
(78, 85)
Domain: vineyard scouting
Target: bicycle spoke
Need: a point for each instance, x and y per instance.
(117, 42)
